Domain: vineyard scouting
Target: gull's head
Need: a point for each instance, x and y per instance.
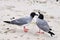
(33, 14)
(41, 16)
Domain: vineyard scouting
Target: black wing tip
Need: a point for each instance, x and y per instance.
(50, 29)
(7, 21)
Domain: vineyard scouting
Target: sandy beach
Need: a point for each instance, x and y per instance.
(14, 9)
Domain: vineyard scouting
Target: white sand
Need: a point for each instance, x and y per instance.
(21, 8)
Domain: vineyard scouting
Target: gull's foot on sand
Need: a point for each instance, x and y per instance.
(40, 32)
(25, 29)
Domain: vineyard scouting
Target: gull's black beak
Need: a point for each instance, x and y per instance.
(38, 12)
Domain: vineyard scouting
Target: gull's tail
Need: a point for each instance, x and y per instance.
(51, 33)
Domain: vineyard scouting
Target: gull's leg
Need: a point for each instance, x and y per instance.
(25, 29)
(39, 32)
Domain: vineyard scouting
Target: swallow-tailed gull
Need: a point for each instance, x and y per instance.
(43, 25)
(22, 21)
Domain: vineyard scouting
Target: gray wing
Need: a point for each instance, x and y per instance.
(46, 24)
(43, 25)
(20, 21)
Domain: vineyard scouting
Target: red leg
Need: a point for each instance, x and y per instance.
(25, 29)
(40, 32)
